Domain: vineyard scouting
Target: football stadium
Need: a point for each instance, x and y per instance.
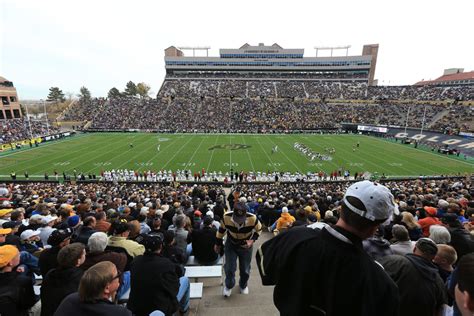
(337, 195)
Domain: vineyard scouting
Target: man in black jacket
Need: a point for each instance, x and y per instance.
(326, 271)
(96, 295)
(422, 291)
(48, 258)
(203, 241)
(64, 280)
(156, 282)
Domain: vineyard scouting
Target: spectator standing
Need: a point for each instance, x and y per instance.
(312, 268)
(242, 230)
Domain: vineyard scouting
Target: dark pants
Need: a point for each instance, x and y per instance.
(232, 252)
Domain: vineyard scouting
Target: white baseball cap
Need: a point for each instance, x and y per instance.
(377, 199)
(27, 234)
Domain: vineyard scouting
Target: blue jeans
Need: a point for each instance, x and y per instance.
(232, 252)
(124, 286)
(183, 293)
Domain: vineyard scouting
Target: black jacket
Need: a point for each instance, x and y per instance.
(325, 272)
(422, 291)
(203, 244)
(16, 294)
(72, 306)
(48, 260)
(154, 285)
(58, 284)
(84, 234)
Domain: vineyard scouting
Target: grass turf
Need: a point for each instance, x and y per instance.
(91, 153)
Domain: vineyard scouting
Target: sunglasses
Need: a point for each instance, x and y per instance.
(119, 274)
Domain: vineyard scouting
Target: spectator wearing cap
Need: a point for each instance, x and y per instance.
(63, 280)
(156, 282)
(416, 274)
(445, 259)
(30, 241)
(97, 291)
(242, 229)
(414, 229)
(464, 290)
(57, 240)
(5, 215)
(461, 239)
(86, 230)
(97, 252)
(322, 260)
(401, 241)
(48, 223)
(285, 221)
(120, 232)
(102, 224)
(203, 241)
(16, 290)
(8, 234)
(429, 220)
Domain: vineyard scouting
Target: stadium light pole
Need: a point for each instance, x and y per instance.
(46, 114)
(406, 122)
(29, 123)
(423, 122)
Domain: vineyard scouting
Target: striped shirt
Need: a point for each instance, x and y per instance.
(238, 234)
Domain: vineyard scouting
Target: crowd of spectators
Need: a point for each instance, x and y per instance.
(263, 105)
(142, 220)
(19, 129)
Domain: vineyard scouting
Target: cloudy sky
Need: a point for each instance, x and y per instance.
(104, 44)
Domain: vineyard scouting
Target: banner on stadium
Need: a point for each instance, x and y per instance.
(375, 129)
(21, 143)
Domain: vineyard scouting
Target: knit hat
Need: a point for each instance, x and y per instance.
(7, 253)
(72, 221)
(284, 209)
(377, 199)
(427, 246)
(11, 224)
(5, 231)
(5, 211)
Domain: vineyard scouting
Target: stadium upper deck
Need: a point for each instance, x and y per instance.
(273, 62)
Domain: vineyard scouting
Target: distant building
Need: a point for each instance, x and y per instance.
(272, 62)
(9, 107)
(451, 77)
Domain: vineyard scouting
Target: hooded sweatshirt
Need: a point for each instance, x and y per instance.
(285, 220)
(422, 291)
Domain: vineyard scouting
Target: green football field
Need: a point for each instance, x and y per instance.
(92, 153)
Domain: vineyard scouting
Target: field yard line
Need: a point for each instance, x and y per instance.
(55, 142)
(212, 155)
(56, 157)
(230, 151)
(411, 163)
(177, 152)
(248, 153)
(332, 162)
(194, 154)
(428, 152)
(287, 158)
(126, 152)
(266, 154)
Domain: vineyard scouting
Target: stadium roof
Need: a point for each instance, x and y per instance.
(452, 77)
